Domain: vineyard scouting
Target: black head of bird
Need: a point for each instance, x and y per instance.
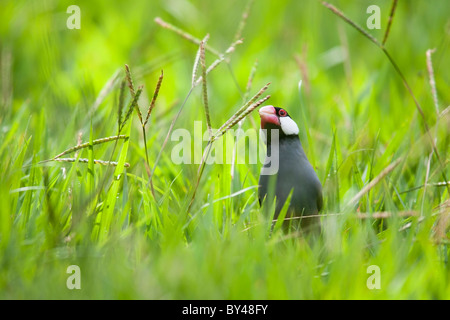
(294, 171)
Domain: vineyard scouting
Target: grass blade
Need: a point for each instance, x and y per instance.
(155, 96)
(391, 17)
(107, 214)
(205, 87)
(87, 144)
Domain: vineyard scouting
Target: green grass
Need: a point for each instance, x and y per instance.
(356, 118)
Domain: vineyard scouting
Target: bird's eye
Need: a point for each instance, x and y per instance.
(282, 113)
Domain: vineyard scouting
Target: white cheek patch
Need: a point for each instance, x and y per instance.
(288, 126)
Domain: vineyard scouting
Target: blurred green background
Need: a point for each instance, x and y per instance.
(355, 117)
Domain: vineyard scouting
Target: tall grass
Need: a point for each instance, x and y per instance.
(140, 226)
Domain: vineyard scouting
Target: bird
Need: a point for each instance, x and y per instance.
(293, 173)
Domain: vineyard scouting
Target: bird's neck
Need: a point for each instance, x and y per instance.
(284, 143)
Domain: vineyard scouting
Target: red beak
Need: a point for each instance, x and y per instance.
(268, 114)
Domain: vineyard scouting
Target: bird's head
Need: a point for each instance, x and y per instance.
(278, 118)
